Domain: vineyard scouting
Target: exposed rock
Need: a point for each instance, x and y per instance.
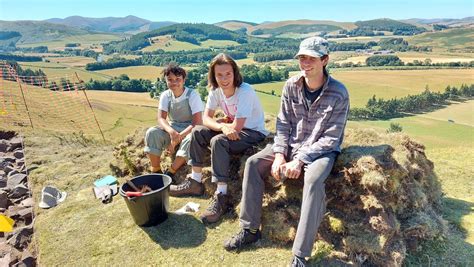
(27, 203)
(3, 181)
(20, 162)
(18, 192)
(3, 199)
(21, 237)
(15, 143)
(9, 159)
(15, 202)
(12, 172)
(3, 146)
(27, 260)
(16, 180)
(18, 153)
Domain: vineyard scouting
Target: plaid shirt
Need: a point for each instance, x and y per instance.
(309, 132)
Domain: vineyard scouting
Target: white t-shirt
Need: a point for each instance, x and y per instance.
(195, 101)
(243, 104)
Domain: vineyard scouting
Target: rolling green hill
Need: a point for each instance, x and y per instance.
(38, 31)
(461, 39)
(297, 28)
(9, 38)
(397, 27)
(184, 32)
(234, 25)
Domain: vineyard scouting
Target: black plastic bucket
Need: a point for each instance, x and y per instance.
(152, 207)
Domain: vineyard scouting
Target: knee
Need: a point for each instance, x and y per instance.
(198, 132)
(154, 133)
(252, 161)
(315, 182)
(219, 140)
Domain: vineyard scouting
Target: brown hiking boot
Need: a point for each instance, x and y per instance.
(219, 206)
(189, 187)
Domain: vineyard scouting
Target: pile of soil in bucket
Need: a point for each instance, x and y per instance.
(16, 248)
(383, 197)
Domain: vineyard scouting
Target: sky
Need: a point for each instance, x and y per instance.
(258, 11)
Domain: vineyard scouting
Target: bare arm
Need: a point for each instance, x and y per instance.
(231, 130)
(163, 123)
(197, 120)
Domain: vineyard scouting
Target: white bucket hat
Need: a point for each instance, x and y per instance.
(51, 197)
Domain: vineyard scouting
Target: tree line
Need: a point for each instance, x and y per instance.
(397, 27)
(378, 108)
(121, 83)
(115, 62)
(10, 57)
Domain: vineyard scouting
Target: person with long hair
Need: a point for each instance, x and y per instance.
(242, 127)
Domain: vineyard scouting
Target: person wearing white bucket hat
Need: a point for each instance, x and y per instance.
(309, 132)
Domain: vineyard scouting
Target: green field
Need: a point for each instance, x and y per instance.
(77, 61)
(86, 41)
(460, 113)
(249, 60)
(453, 39)
(170, 45)
(218, 43)
(167, 43)
(406, 57)
(135, 72)
(56, 71)
(363, 84)
(398, 83)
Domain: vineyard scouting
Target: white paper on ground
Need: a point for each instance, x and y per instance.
(188, 208)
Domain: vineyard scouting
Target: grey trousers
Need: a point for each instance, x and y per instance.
(221, 149)
(313, 206)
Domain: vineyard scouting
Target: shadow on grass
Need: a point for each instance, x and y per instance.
(454, 250)
(178, 231)
(454, 210)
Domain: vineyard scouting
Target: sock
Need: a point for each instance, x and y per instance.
(171, 170)
(197, 176)
(222, 188)
(155, 169)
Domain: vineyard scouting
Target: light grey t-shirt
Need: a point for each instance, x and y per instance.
(243, 104)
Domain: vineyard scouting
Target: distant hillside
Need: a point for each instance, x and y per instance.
(444, 21)
(297, 28)
(397, 27)
(277, 24)
(38, 31)
(233, 25)
(108, 24)
(9, 38)
(185, 32)
(128, 24)
(457, 39)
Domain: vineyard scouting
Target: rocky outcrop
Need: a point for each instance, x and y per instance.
(15, 202)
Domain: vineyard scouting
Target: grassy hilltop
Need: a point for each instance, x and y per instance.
(82, 231)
